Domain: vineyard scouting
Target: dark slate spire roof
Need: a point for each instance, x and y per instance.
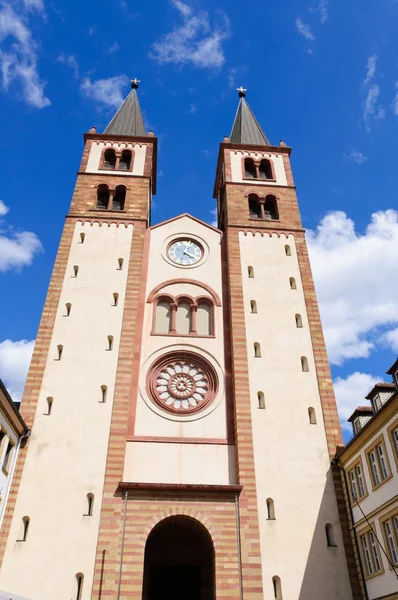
(128, 119)
(246, 129)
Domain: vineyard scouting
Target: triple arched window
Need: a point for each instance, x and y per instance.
(258, 169)
(183, 316)
(108, 199)
(263, 208)
(116, 160)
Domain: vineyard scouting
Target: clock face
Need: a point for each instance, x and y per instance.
(185, 252)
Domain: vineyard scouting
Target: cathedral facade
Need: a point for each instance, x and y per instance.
(179, 396)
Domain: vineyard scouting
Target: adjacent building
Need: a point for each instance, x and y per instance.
(369, 468)
(180, 398)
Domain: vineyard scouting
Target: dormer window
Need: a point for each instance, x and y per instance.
(110, 159)
(376, 402)
(396, 378)
(356, 425)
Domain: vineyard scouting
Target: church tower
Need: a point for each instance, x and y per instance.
(179, 394)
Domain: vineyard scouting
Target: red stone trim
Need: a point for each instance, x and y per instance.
(182, 440)
(206, 287)
(207, 225)
(181, 487)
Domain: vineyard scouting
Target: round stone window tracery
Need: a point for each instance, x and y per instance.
(182, 382)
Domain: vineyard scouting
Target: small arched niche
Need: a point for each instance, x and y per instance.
(115, 299)
(292, 283)
(304, 364)
(299, 321)
(270, 509)
(257, 350)
(204, 318)
(163, 316)
(288, 250)
(312, 415)
(68, 308)
(250, 272)
(82, 237)
(277, 587)
(49, 406)
(75, 271)
(253, 306)
(261, 400)
(24, 530)
(104, 393)
(89, 505)
(110, 343)
(60, 350)
(78, 587)
(120, 264)
(330, 539)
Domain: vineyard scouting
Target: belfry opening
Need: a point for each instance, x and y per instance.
(179, 561)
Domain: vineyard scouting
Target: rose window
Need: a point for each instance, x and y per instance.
(182, 382)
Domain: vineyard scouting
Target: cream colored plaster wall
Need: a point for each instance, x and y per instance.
(139, 154)
(291, 456)
(151, 421)
(276, 159)
(67, 450)
(207, 464)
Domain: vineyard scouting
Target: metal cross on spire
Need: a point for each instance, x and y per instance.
(134, 83)
(242, 92)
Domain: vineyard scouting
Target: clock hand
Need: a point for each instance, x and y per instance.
(190, 255)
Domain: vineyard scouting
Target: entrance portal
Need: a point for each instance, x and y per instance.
(179, 561)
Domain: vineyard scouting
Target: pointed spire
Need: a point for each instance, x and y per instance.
(246, 129)
(128, 119)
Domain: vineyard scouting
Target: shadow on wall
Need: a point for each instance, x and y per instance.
(326, 572)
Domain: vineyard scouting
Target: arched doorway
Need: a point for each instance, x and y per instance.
(179, 561)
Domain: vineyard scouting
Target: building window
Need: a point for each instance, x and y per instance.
(78, 587)
(330, 539)
(204, 317)
(277, 587)
(390, 532)
(257, 350)
(271, 209)
(119, 198)
(250, 169)
(304, 364)
(356, 425)
(376, 402)
(49, 405)
(254, 207)
(265, 169)
(263, 208)
(8, 456)
(288, 250)
(370, 553)
(270, 510)
(312, 415)
(357, 482)
(109, 159)
(103, 196)
(378, 463)
(261, 400)
(23, 530)
(163, 317)
(89, 505)
(125, 161)
(299, 321)
(393, 434)
(183, 316)
(250, 272)
(253, 306)
(2, 438)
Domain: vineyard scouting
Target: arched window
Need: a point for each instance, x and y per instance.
(254, 207)
(276, 583)
(257, 350)
(184, 318)
(304, 364)
(250, 272)
(125, 161)
(261, 400)
(120, 264)
(75, 271)
(271, 208)
(119, 198)
(104, 392)
(23, 530)
(292, 282)
(204, 318)
(253, 306)
(78, 587)
(115, 299)
(270, 509)
(265, 169)
(312, 415)
(109, 159)
(110, 342)
(299, 321)
(163, 317)
(82, 236)
(60, 349)
(68, 307)
(49, 405)
(330, 539)
(288, 251)
(102, 196)
(89, 505)
(250, 169)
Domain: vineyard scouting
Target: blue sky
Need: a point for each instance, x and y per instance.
(322, 75)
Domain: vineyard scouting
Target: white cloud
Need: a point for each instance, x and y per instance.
(356, 282)
(370, 109)
(355, 156)
(14, 364)
(18, 56)
(371, 69)
(232, 73)
(106, 92)
(193, 109)
(304, 30)
(18, 250)
(322, 8)
(391, 339)
(350, 393)
(70, 61)
(395, 101)
(3, 209)
(214, 220)
(195, 41)
(34, 4)
(113, 48)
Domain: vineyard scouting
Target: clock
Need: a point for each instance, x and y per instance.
(185, 252)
